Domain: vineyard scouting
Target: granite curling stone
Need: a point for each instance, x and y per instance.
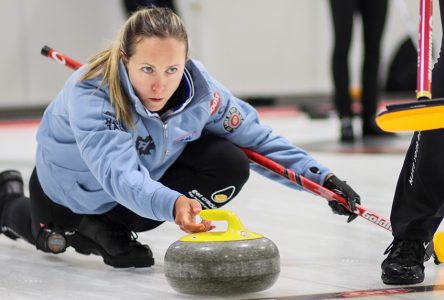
(219, 263)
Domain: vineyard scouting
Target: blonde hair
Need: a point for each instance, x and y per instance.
(158, 22)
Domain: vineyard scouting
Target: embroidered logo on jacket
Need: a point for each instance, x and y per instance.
(111, 123)
(232, 119)
(214, 103)
(144, 145)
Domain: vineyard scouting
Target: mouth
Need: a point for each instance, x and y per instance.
(156, 99)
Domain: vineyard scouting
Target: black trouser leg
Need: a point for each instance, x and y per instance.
(211, 169)
(47, 212)
(373, 19)
(16, 216)
(132, 6)
(418, 203)
(342, 15)
(418, 206)
(26, 216)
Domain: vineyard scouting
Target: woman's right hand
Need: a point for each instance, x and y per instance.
(185, 212)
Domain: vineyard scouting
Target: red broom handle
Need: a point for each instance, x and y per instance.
(60, 58)
(313, 187)
(424, 72)
(264, 162)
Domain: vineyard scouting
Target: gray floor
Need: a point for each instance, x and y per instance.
(320, 253)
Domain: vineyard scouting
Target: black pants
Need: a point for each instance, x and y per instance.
(133, 5)
(208, 168)
(418, 206)
(373, 15)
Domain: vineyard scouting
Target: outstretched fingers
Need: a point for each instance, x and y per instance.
(186, 211)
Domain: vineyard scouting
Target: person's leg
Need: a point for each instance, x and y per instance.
(49, 221)
(32, 218)
(52, 227)
(342, 16)
(37, 219)
(12, 199)
(417, 209)
(211, 170)
(373, 19)
(164, 3)
(132, 6)
(418, 205)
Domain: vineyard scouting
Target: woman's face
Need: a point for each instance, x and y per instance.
(156, 69)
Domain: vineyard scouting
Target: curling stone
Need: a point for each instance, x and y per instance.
(219, 263)
(438, 243)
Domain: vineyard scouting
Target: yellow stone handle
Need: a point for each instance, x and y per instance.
(235, 229)
(234, 223)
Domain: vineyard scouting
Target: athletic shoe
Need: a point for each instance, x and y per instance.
(347, 135)
(116, 244)
(405, 261)
(11, 183)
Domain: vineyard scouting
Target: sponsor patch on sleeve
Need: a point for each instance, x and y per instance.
(232, 119)
(214, 103)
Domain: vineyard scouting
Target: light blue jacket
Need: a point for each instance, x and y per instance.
(89, 162)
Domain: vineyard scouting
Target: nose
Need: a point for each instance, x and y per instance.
(158, 85)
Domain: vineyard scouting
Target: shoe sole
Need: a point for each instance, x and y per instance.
(9, 235)
(89, 247)
(400, 280)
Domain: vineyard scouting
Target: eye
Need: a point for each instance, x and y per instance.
(172, 70)
(147, 70)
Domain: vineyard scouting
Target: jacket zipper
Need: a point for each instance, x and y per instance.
(165, 138)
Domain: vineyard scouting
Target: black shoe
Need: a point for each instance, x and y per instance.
(116, 244)
(405, 261)
(11, 183)
(347, 130)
